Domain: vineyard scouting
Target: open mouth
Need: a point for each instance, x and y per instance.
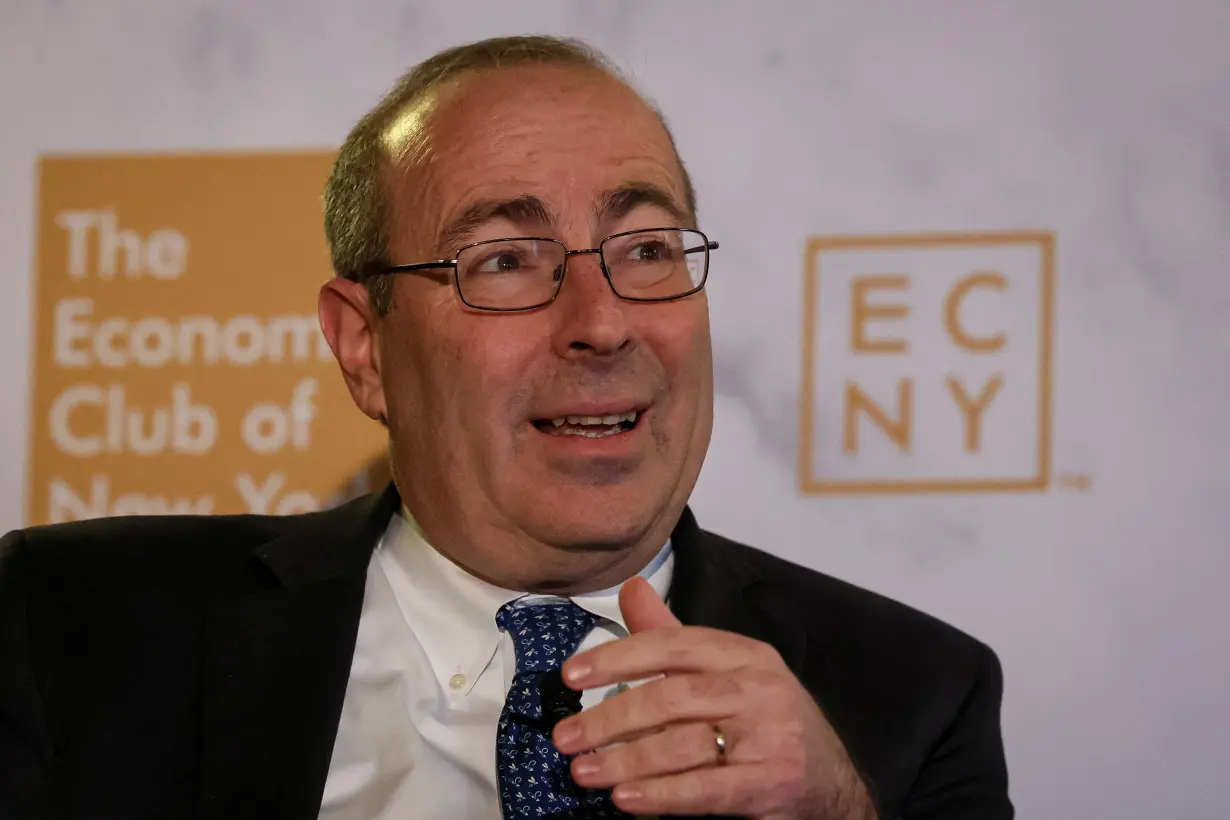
(590, 426)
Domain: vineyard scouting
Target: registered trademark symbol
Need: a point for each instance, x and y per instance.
(1075, 481)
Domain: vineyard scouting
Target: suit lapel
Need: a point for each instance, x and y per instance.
(716, 585)
(277, 664)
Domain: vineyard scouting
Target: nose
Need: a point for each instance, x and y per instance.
(590, 319)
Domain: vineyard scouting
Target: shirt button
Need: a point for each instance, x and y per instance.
(457, 681)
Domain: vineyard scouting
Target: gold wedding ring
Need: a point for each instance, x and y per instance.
(719, 740)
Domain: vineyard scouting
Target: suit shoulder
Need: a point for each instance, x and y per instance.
(210, 553)
(862, 618)
(116, 538)
(167, 552)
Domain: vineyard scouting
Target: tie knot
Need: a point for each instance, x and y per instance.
(544, 633)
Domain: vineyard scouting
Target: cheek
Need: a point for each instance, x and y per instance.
(496, 371)
(474, 374)
(693, 351)
(686, 354)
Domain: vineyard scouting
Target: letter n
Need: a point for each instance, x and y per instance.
(898, 430)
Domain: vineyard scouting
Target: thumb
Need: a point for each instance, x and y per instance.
(642, 608)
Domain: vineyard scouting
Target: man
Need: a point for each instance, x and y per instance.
(520, 301)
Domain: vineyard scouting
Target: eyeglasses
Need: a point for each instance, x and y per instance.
(652, 265)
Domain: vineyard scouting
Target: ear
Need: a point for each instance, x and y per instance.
(350, 326)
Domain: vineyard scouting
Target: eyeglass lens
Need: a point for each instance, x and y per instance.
(654, 264)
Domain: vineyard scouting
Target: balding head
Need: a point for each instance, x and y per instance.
(392, 140)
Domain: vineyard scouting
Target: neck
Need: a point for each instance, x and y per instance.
(576, 573)
(515, 561)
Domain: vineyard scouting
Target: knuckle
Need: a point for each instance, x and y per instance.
(662, 753)
(712, 687)
(634, 760)
(593, 725)
(766, 683)
(688, 652)
(769, 695)
(690, 790)
(742, 801)
(766, 654)
(784, 790)
(684, 748)
(656, 748)
(792, 747)
(619, 763)
(796, 763)
(791, 768)
(675, 694)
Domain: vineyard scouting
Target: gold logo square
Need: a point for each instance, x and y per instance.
(810, 480)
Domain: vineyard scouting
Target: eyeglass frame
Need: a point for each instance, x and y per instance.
(707, 245)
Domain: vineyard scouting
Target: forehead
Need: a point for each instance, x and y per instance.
(563, 134)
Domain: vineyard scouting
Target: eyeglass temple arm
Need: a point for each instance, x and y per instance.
(435, 263)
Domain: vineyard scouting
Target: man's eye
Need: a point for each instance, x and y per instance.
(648, 252)
(500, 263)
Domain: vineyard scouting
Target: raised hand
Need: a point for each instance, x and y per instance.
(725, 728)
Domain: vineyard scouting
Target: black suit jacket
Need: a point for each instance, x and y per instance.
(186, 667)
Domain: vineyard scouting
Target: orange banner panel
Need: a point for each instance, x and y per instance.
(178, 364)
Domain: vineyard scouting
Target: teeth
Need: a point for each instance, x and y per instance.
(608, 431)
(595, 421)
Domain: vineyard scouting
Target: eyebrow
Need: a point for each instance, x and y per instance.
(522, 210)
(619, 202)
(529, 210)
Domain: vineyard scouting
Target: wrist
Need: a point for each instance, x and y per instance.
(849, 797)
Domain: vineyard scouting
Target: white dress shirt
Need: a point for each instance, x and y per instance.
(427, 684)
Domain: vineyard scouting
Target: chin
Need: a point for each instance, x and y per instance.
(596, 528)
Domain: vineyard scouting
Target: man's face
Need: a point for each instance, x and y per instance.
(470, 396)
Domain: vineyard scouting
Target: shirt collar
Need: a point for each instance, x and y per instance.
(453, 612)
(450, 612)
(605, 603)
(441, 586)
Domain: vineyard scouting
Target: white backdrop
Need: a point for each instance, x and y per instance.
(1106, 123)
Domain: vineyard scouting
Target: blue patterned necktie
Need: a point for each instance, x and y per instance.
(534, 777)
